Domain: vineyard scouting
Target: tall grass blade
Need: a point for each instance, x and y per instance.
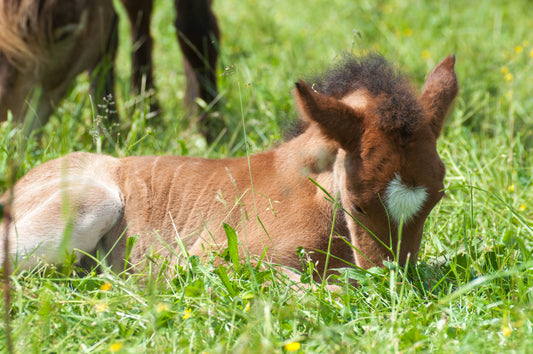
(233, 246)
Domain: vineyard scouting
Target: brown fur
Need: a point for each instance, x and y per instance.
(267, 198)
(45, 44)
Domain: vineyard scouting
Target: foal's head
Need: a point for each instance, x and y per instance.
(387, 171)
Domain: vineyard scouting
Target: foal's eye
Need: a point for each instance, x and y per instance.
(358, 209)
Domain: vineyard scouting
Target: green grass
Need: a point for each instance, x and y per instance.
(472, 289)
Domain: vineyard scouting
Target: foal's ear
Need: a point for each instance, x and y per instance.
(439, 91)
(336, 120)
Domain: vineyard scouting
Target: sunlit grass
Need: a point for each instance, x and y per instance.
(472, 288)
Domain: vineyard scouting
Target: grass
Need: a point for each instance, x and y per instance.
(472, 289)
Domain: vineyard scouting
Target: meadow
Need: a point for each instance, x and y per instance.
(472, 288)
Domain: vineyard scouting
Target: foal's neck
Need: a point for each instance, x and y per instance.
(309, 155)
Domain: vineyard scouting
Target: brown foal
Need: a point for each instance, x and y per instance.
(365, 171)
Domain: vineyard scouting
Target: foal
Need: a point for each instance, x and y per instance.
(369, 142)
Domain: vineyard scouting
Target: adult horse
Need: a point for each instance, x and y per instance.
(45, 44)
(364, 171)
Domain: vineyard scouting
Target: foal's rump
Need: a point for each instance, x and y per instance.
(63, 205)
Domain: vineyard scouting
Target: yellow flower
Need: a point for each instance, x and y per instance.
(507, 331)
(426, 54)
(187, 314)
(505, 70)
(525, 43)
(531, 53)
(522, 207)
(115, 347)
(292, 347)
(408, 32)
(106, 286)
(161, 307)
(508, 77)
(518, 49)
(100, 307)
(247, 307)
(511, 188)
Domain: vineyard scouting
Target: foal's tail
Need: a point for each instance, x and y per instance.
(5, 221)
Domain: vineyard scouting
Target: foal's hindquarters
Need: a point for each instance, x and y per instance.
(64, 204)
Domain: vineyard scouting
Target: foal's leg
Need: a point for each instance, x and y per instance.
(53, 217)
(198, 37)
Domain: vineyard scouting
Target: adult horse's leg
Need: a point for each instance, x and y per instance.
(139, 12)
(10, 98)
(103, 75)
(198, 37)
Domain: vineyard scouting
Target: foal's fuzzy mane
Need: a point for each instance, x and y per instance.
(399, 110)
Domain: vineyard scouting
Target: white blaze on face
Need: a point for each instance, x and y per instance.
(402, 201)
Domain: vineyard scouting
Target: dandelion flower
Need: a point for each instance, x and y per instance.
(504, 70)
(115, 347)
(187, 314)
(511, 188)
(518, 49)
(522, 207)
(247, 307)
(161, 307)
(100, 307)
(508, 77)
(408, 32)
(507, 331)
(531, 53)
(292, 347)
(426, 54)
(106, 286)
